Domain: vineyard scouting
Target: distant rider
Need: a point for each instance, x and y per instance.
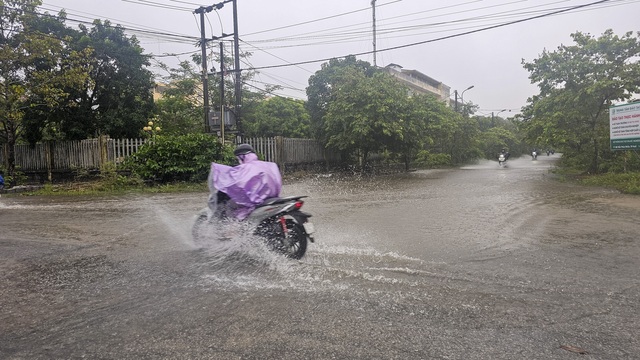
(505, 153)
(238, 190)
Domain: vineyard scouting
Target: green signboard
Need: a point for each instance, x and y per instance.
(624, 127)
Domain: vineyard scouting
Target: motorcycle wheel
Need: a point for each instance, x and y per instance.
(293, 244)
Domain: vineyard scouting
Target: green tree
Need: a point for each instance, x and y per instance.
(179, 110)
(115, 100)
(37, 71)
(366, 114)
(322, 84)
(424, 114)
(278, 116)
(120, 98)
(495, 139)
(578, 83)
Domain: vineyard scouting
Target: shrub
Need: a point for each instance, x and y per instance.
(426, 158)
(179, 158)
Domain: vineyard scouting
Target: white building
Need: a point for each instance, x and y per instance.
(420, 83)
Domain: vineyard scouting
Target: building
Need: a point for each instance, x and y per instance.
(419, 83)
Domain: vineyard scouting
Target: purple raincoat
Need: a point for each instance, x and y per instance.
(247, 184)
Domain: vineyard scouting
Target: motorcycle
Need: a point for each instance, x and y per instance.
(534, 155)
(278, 221)
(502, 160)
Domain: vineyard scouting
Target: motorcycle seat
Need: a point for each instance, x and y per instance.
(280, 200)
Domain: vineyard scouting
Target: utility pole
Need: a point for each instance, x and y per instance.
(373, 5)
(238, 84)
(205, 81)
(455, 92)
(222, 91)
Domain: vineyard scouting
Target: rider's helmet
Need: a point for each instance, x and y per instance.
(243, 149)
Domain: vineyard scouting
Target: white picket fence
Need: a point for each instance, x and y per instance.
(287, 151)
(92, 153)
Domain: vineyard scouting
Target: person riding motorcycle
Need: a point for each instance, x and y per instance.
(505, 153)
(237, 190)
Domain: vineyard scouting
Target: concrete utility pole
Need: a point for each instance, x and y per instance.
(205, 78)
(237, 65)
(222, 91)
(455, 92)
(373, 5)
(238, 83)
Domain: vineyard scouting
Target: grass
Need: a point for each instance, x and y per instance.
(121, 185)
(99, 187)
(628, 183)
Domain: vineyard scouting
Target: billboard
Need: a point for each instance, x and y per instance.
(624, 127)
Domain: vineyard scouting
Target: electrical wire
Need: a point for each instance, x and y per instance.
(446, 37)
(317, 20)
(158, 5)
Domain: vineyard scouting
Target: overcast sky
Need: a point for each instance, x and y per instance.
(428, 36)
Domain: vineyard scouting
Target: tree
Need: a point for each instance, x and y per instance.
(578, 84)
(366, 114)
(279, 116)
(116, 99)
(180, 110)
(120, 101)
(321, 86)
(37, 71)
(424, 114)
(495, 139)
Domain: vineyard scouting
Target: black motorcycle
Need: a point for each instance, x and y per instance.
(279, 221)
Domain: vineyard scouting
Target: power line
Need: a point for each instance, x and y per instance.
(444, 37)
(317, 20)
(358, 34)
(158, 5)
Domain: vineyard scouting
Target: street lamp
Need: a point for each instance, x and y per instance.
(149, 129)
(496, 115)
(462, 95)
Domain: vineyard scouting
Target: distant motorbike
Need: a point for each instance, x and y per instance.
(278, 221)
(502, 160)
(534, 155)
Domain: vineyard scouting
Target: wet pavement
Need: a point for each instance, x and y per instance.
(480, 262)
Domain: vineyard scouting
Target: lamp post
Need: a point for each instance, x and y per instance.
(455, 92)
(462, 95)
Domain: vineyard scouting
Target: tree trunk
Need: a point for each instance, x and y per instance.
(594, 161)
(11, 154)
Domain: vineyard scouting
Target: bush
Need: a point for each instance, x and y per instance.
(427, 159)
(627, 183)
(179, 158)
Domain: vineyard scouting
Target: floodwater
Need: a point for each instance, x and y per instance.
(480, 262)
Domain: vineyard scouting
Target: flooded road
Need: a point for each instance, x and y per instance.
(479, 262)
